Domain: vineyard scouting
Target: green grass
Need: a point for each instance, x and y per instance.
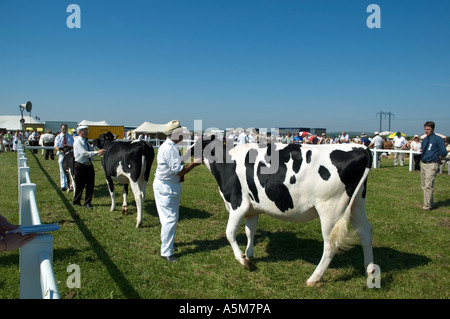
(119, 261)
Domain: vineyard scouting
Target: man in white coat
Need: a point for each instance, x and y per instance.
(167, 186)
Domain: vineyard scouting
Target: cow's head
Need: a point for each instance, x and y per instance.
(66, 149)
(210, 149)
(104, 140)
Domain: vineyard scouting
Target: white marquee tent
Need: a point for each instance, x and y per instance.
(90, 123)
(12, 122)
(147, 128)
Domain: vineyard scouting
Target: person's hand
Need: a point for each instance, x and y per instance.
(14, 241)
(197, 161)
(101, 151)
(5, 225)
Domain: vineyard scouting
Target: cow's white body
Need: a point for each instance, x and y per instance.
(312, 197)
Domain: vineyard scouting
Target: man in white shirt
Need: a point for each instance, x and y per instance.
(344, 138)
(377, 143)
(63, 139)
(242, 138)
(48, 139)
(167, 186)
(399, 144)
(84, 173)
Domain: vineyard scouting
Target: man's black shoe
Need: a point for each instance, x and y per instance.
(78, 204)
(171, 259)
(89, 206)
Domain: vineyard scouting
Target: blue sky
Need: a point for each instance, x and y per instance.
(229, 63)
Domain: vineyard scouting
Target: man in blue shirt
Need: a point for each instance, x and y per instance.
(433, 150)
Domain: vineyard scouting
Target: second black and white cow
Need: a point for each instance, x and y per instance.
(68, 164)
(127, 163)
(294, 183)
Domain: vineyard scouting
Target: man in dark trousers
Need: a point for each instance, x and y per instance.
(83, 168)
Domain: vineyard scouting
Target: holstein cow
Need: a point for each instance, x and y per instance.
(294, 183)
(127, 163)
(68, 163)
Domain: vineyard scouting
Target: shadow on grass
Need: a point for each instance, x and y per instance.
(125, 287)
(287, 246)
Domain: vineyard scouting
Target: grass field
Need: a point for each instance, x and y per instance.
(117, 260)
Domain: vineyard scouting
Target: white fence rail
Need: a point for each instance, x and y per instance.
(37, 278)
(376, 162)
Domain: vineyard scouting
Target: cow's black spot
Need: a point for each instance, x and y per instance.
(225, 174)
(292, 180)
(324, 173)
(350, 166)
(273, 184)
(308, 156)
(250, 159)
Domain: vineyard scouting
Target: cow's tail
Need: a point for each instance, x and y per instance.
(340, 238)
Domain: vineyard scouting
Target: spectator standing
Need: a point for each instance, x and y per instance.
(344, 138)
(48, 139)
(242, 138)
(377, 143)
(365, 140)
(63, 139)
(433, 150)
(416, 146)
(400, 143)
(289, 139)
(16, 137)
(446, 159)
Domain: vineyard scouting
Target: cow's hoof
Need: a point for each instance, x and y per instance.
(125, 210)
(139, 225)
(248, 262)
(312, 283)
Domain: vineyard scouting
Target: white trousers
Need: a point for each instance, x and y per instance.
(62, 175)
(167, 199)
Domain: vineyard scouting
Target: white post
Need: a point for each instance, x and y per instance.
(30, 269)
(49, 289)
(25, 215)
(411, 159)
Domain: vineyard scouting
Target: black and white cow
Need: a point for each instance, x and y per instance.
(127, 163)
(67, 164)
(294, 183)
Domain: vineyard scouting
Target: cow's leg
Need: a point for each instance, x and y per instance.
(111, 192)
(250, 230)
(329, 213)
(364, 230)
(124, 195)
(139, 197)
(327, 254)
(69, 176)
(234, 221)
